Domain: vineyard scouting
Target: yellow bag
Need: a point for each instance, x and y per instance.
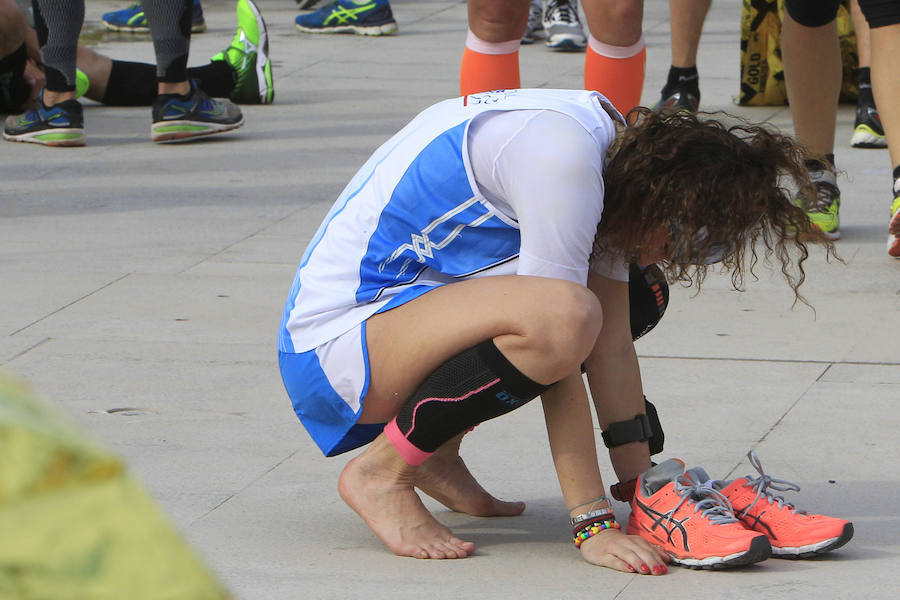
(762, 73)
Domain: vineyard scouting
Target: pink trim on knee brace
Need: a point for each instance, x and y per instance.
(412, 455)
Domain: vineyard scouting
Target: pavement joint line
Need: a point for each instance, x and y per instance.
(243, 239)
(822, 374)
(783, 415)
(238, 492)
(73, 302)
(25, 351)
(433, 14)
(777, 360)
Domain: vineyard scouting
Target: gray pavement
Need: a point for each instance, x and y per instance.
(151, 278)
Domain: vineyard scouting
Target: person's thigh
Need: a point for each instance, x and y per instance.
(545, 327)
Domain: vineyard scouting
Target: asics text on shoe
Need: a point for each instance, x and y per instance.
(693, 524)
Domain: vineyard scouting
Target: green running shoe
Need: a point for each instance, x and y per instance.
(823, 209)
(248, 57)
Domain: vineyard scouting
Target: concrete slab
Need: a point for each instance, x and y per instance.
(142, 286)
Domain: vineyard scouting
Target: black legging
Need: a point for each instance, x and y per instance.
(170, 28)
(58, 24)
(815, 13)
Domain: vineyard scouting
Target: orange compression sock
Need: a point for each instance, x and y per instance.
(488, 65)
(617, 72)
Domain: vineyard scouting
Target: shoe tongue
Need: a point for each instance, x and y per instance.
(699, 476)
(661, 474)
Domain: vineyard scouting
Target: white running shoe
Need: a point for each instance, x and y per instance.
(562, 26)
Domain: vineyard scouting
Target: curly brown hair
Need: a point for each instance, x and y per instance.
(690, 172)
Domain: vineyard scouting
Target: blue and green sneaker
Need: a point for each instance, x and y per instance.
(248, 57)
(133, 20)
(362, 17)
(58, 125)
(178, 117)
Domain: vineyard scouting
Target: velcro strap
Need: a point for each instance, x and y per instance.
(623, 492)
(624, 432)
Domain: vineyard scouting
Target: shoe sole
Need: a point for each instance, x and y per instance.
(815, 549)
(174, 131)
(195, 28)
(535, 36)
(386, 29)
(832, 235)
(760, 549)
(71, 139)
(566, 43)
(864, 137)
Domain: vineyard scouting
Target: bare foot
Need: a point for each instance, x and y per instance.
(445, 477)
(377, 484)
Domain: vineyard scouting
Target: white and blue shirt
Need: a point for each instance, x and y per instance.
(519, 190)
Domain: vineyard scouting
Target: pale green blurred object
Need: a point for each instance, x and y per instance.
(74, 525)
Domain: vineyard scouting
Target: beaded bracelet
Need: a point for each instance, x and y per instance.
(594, 529)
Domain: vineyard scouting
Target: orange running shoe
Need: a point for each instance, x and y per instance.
(793, 533)
(694, 524)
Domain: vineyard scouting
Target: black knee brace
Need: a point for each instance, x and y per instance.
(648, 297)
(880, 13)
(812, 13)
(476, 385)
(642, 428)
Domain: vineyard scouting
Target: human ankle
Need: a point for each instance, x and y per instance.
(52, 98)
(181, 88)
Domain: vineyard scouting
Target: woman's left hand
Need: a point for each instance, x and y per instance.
(629, 553)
